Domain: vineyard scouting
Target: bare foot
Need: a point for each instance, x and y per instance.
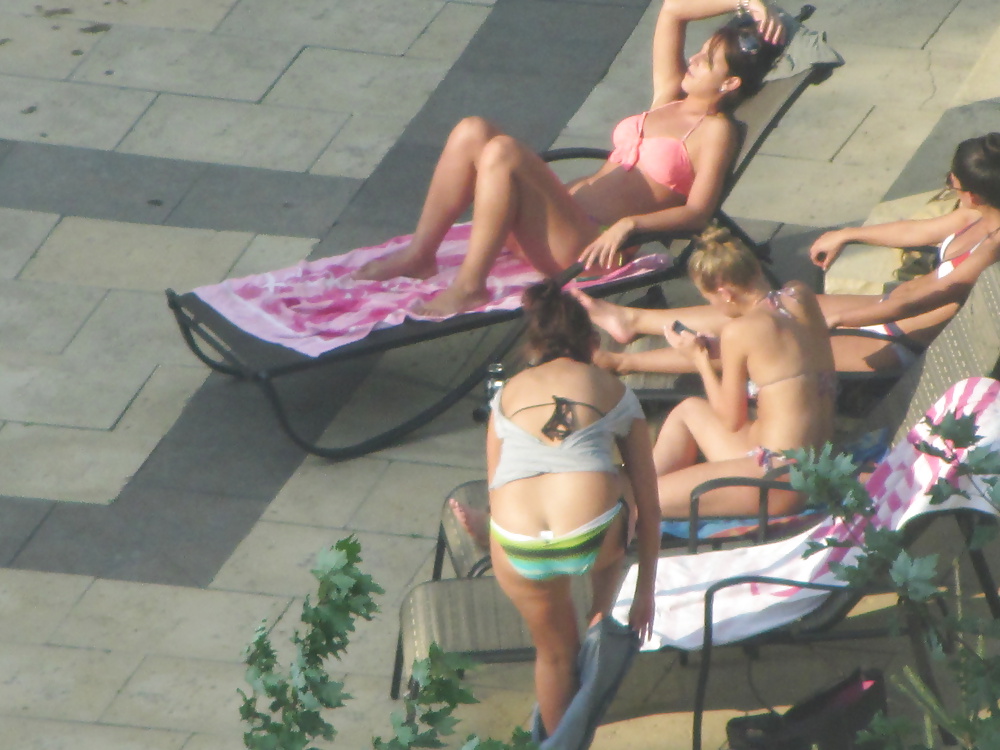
(397, 264)
(451, 302)
(476, 522)
(614, 319)
(610, 361)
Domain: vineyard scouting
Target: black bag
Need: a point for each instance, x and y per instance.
(830, 720)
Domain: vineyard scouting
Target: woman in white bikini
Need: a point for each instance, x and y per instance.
(666, 172)
(557, 490)
(776, 339)
(969, 241)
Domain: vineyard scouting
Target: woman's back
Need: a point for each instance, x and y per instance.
(791, 364)
(553, 408)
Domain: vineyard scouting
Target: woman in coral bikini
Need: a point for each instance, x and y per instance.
(969, 241)
(666, 172)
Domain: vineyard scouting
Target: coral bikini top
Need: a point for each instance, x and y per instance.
(664, 159)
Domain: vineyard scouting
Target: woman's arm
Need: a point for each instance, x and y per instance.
(492, 450)
(637, 454)
(908, 233)
(727, 391)
(920, 295)
(669, 63)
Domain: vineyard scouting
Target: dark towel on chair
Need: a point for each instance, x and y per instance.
(605, 657)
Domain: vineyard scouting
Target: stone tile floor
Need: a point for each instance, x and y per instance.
(151, 517)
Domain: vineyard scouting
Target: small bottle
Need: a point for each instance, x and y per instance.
(495, 378)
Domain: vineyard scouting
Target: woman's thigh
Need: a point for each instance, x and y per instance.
(546, 606)
(675, 491)
(550, 227)
(715, 441)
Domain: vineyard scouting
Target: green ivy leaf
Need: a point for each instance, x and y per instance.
(959, 431)
(915, 578)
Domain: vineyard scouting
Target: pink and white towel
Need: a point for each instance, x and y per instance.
(315, 306)
(900, 486)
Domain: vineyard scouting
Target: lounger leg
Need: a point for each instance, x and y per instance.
(980, 566)
(397, 669)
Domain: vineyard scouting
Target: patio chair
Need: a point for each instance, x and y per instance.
(228, 349)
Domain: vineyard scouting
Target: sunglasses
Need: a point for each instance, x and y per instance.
(747, 36)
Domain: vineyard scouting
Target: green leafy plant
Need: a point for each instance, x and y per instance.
(288, 709)
(932, 614)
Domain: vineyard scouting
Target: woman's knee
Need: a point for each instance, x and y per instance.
(502, 152)
(472, 133)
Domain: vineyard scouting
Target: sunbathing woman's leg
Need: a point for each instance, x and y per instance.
(450, 193)
(513, 192)
(675, 491)
(625, 323)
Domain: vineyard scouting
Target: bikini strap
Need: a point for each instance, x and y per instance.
(700, 120)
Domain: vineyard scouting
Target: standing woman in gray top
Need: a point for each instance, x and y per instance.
(557, 497)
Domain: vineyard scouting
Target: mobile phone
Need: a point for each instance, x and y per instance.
(679, 327)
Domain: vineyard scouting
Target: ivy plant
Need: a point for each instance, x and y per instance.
(968, 645)
(289, 708)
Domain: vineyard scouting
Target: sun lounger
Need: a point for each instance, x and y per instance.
(229, 349)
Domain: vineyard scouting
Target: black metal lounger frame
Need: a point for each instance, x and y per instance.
(227, 349)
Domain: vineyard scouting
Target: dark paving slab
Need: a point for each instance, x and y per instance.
(930, 164)
(21, 518)
(224, 459)
(264, 201)
(5, 148)
(96, 184)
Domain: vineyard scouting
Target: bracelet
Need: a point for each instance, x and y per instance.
(742, 8)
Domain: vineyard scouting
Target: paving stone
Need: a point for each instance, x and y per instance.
(203, 741)
(146, 536)
(276, 559)
(407, 498)
(93, 183)
(39, 317)
(21, 234)
(803, 187)
(187, 62)
(264, 201)
(167, 692)
(201, 15)
(70, 465)
(321, 493)
(35, 603)
(42, 734)
(22, 516)
(135, 256)
(341, 81)
(358, 147)
(906, 24)
(267, 252)
(37, 47)
(888, 137)
(165, 620)
(53, 390)
(68, 113)
(981, 82)
(810, 133)
(61, 683)
(130, 326)
(385, 27)
(226, 132)
(450, 31)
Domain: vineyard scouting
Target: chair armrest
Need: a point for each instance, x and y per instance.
(577, 152)
(764, 485)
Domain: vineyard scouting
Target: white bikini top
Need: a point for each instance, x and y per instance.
(589, 448)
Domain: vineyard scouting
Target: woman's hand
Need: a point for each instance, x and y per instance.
(688, 343)
(772, 30)
(605, 251)
(641, 614)
(826, 248)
